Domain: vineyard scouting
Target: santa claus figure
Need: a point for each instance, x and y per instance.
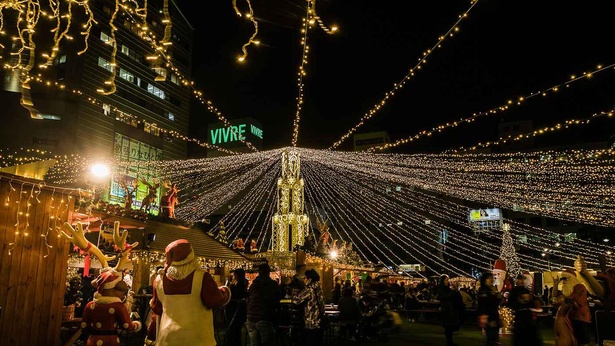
(573, 319)
(103, 316)
(500, 277)
(183, 299)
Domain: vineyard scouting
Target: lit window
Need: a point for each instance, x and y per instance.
(104, 64)
(175, 79)
(161, 73)
(105, 38)
(48, 117)
(127, 75)
(153, 90)
(62, 59)
(106, 109)
(171, 116)
(125, 50)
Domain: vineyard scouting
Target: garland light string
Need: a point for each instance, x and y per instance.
(435, 227)
(252, 40)
(495, 110)
(542, 131)
(398, 86)
(457, 214)
(308, 22)
(345, 215)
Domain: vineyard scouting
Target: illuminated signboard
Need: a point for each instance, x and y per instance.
(245, 129)
(494, 214)
(364, 141)
(411, 267)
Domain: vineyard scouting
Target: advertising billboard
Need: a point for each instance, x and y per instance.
(476, 215)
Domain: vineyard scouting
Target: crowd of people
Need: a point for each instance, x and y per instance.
(184, 297)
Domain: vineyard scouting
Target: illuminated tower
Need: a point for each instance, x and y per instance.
(290, 223)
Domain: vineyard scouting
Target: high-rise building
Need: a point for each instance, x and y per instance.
(128, 124)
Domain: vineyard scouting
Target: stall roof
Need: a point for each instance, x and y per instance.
(96, 218)
(203, 244)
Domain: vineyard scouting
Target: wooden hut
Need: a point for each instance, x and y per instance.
(32, 260)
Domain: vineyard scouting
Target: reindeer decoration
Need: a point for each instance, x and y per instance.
(151, 195)
(77, 237)
(168, 202)
(106, 312)
(129, 193)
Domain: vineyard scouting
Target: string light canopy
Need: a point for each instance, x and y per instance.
(386, 205)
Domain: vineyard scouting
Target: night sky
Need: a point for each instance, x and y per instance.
(505, 49)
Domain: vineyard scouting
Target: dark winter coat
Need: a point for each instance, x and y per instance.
(451, 306)
(489, 303)
(263, 300)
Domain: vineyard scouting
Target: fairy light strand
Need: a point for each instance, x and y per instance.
(399, 85)
(495, 110)
(252, 39)
(308, 22)
(302, 73)
(110, 83)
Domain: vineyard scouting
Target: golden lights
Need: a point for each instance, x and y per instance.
(252, 40)
(495, 110)
(397, 86)
(308, 22)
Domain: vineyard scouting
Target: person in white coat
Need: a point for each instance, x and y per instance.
(183, 299)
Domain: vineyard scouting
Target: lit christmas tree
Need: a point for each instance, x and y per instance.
(508, 252)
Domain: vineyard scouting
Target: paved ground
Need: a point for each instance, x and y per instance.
(420, 334)
(428, 334)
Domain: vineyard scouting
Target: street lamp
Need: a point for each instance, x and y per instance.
(100, 171)
(333, 254)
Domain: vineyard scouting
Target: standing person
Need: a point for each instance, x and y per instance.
(314, 308)
(236, 308)
(127, 278)
(183, 299)
(545, 295)
(451, 308)
(349, 312)
(525, 307)
(337, 290)
(488, 305)
(263, 305)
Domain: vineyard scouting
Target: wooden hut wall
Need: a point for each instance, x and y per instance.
(32, 277)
